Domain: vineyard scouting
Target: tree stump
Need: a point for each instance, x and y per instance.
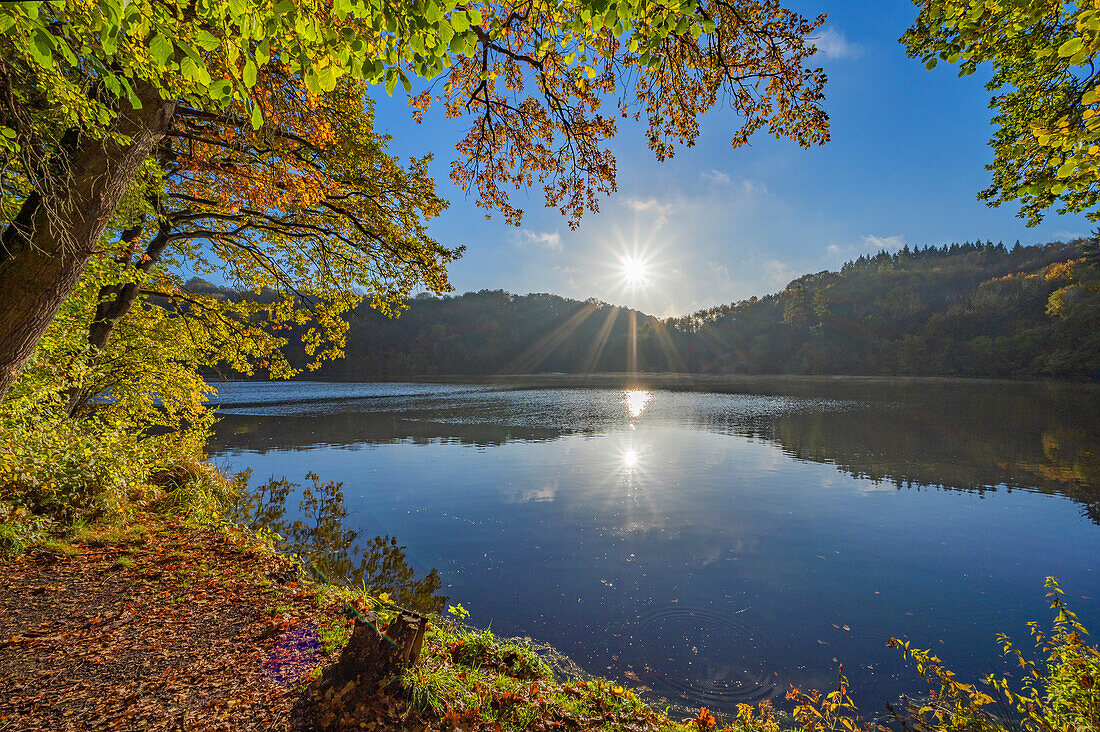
(372, 658)
(369, 663)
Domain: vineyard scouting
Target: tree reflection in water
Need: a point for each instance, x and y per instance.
(322, 539)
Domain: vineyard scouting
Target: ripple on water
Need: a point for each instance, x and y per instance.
(691, 642)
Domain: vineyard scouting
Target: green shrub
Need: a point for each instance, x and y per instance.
(1057, 693)
(56, 467)
(19, 529)
(68, 470)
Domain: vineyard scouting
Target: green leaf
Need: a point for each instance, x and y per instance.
(312, 82)
(160, 48)
(446, 33)
(111, 82)
(195, 71)
(191, 52)
(1070, 47)
(249, 74)
(221, 89)
(326, 78)
(42, 48)
(206, 40)
(263, 53)
(131, 97)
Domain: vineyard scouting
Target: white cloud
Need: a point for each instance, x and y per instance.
(661, 210)
(751, 186)
(547, 239)
(889, 243)
(778, 274)
(1066, 236)
(719, 272)
(641, 204)
(869, 244)
(718, 178)
(832, 44)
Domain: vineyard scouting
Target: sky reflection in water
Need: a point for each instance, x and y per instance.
(715, 547)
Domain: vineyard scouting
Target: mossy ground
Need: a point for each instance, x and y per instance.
(471, 679)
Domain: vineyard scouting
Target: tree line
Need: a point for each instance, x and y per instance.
(969, 309)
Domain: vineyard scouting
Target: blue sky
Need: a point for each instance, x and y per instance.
(905, 164)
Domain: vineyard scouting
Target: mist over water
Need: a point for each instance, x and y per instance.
(714, 547)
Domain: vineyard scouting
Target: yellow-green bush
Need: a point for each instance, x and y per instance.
(63, 468)
(1057, 692)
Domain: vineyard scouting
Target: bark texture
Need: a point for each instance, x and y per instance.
(47, 246)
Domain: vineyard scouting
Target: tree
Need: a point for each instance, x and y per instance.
(1046, 93)
(311, 207)
(89, 90)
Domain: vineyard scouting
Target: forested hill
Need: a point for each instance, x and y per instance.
(489, 332)
(966, 309)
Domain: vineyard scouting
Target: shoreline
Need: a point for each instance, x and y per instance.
(719, 383)
(159, 623)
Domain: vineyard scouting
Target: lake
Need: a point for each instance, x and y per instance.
(713, 540)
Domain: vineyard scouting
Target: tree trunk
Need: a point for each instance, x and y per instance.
(112, 305)
(56, 232)
(115, 301)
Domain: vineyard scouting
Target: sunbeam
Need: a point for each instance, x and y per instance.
(542, 348)
(595, 350)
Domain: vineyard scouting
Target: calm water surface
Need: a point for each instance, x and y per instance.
(715, 547)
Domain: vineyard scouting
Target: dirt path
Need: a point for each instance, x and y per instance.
(175, 628)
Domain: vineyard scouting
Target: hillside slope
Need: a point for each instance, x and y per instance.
(970, 309)
(490, 332)
(960, 310)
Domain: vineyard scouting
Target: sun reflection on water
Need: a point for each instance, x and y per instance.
(630, 459)
(636, 401)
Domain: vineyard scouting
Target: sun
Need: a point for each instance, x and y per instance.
(635, 272)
